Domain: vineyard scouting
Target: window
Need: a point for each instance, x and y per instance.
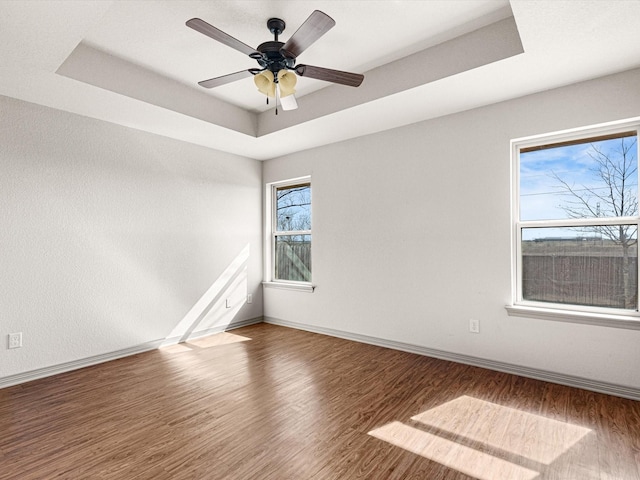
(576, 221)
(290, 238)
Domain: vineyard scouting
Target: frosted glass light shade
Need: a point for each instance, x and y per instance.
(287, 81)
(265, 83)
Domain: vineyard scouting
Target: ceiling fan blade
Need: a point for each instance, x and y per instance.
(232, 77)
(328, 75)
(311, 30)
(289, 102)
(203, 27)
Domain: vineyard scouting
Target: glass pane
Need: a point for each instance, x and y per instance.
(596, 266)
(595, 178)
(293, 208)
(293, 258)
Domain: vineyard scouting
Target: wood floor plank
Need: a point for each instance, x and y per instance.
(267, 402)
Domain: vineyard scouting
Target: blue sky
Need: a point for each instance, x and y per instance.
(542, 196)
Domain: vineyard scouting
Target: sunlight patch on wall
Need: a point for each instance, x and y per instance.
(212, 310)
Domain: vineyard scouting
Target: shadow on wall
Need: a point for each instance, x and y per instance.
(219, 305)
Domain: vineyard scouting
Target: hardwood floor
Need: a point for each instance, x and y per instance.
(267, 402)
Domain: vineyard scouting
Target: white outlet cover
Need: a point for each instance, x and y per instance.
(474, 326)
(15, 340)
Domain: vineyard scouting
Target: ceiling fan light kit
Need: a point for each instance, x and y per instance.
(276, 76)
(265, 83)
(285, 81)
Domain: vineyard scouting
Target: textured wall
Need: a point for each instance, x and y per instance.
(111, 237)
(412, 236)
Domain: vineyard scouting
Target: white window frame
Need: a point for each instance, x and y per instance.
(271, 233)
(621, 318)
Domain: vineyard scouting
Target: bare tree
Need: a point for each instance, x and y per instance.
(613, 195)
(292, 208)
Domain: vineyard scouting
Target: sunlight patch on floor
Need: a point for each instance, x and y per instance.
(177, 348)
(531, 436)
(484, 440)
(222, 338)
(451, 454)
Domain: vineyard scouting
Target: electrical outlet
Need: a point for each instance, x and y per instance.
(474, 325)
(15, 340)
(249, 298)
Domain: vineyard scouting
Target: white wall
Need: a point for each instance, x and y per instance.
(412, 229)
(110, 236)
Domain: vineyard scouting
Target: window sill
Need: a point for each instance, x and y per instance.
(631, 322)
(301, 287)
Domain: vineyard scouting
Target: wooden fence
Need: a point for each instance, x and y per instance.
(572, 276)
(580, 280)
(293, 261)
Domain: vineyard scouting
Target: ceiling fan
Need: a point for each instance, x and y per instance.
(277, 60)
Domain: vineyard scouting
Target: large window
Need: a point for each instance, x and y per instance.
(576, 221)
(290, 241)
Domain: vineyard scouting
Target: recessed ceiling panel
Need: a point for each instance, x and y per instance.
(153, 35)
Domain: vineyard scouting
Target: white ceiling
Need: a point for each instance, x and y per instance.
(135, 63)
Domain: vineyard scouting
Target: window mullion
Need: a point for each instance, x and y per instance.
(579, 222)
(282, 233)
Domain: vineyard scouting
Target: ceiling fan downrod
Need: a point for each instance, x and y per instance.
(276, 26)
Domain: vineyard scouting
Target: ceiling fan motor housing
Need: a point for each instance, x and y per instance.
(271, 57)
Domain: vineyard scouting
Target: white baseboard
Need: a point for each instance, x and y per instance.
(553, 377)
(76, 364)
(24, 377)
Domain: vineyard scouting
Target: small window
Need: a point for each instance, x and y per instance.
(291, 232)
(576, 221)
